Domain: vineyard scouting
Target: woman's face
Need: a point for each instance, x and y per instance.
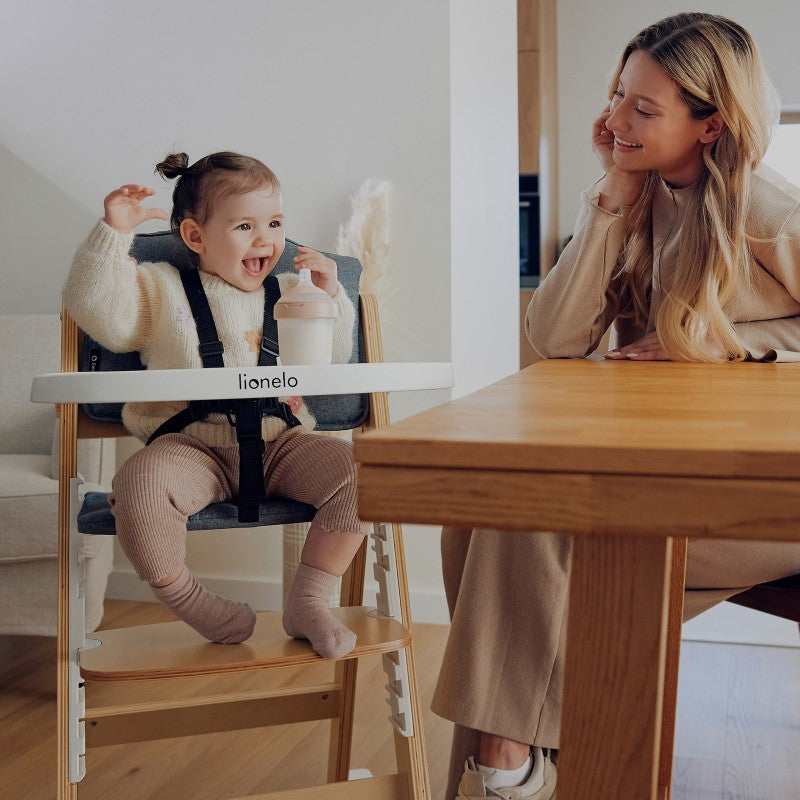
(652, 126)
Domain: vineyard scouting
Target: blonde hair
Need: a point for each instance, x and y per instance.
(716, 66)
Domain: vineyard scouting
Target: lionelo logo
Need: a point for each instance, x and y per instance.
(282, 382)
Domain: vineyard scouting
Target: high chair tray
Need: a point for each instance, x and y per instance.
(234, 382)
(173, 649)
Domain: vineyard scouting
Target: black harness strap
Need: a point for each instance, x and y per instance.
(244, 414)
(211, 348)
(268, 355)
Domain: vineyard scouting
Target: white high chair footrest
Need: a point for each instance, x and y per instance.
(233, 382)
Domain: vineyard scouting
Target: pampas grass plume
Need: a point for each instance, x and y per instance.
(365, 236)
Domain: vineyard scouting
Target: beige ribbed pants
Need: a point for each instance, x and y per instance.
(159, 486)
(502, 670)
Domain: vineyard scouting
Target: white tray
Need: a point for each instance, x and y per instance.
(230, 382)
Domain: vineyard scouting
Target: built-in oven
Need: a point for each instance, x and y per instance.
(529, 230)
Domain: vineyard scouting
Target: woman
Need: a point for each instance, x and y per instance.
(692, 250)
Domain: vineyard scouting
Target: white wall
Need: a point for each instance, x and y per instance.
(95, 92)
(590, 38)
(484, 191)
(40, 227)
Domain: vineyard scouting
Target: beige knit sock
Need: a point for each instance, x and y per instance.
(215, 617)
(308, 616)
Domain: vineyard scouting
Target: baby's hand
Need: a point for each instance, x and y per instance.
(323, 269)
(123, 212)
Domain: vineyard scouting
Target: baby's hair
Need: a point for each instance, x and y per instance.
(209, 180)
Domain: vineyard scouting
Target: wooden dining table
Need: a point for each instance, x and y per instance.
(625, 456)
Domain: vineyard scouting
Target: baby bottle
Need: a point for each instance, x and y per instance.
(305, 316)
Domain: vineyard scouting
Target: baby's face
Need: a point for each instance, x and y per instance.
(244, 238)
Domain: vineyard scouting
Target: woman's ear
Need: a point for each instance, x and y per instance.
(714, 127)
(192, 236)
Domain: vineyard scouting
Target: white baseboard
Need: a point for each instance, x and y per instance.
(427, 606)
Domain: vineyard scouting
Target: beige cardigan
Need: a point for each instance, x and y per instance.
(577, 301)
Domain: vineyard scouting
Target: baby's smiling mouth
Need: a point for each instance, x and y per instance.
(255, 265)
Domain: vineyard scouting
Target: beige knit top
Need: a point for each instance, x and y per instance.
(578, 300)
(128, 306)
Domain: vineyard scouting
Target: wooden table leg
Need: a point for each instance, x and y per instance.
(614, 669)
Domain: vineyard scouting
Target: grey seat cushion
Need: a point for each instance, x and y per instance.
(95, 515)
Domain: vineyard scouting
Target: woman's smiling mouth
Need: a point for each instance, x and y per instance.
(622, 143)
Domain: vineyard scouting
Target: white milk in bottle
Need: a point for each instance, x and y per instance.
(305, 316)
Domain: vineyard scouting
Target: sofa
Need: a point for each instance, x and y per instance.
(29, 345)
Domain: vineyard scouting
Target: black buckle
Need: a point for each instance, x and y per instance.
(269, 346)
(211, 348)
(247, 415)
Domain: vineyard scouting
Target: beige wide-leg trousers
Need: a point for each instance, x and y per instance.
(502, 670)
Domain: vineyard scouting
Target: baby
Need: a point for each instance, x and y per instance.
(227, 209)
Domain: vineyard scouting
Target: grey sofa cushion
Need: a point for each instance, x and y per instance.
(29, 502)
(29, 344)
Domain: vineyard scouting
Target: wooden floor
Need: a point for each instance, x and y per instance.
(205, 767)
(738, 730)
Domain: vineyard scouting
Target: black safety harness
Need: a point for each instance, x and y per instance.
(243, 414)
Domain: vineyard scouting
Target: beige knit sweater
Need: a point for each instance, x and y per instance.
(128, 306)
(578, 300)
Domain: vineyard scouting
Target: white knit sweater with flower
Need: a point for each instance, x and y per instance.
(128, 306)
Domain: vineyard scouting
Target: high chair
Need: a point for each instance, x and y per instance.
(101, 697)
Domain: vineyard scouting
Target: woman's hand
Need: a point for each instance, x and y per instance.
(618, 188)
(122, 209)
(648, 348)
(603, 141)
(323, 269)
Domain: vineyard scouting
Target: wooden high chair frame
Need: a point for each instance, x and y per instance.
(110, 674)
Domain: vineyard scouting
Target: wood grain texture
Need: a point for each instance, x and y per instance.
(737, 732)
(605, 450)
(528, 109)
(173, 649)
(677, 584)
(527, 355)
(231, 712)
(409, 750)
(709, 701)
(206, 766)
(581, 503)
(612, 694)
(147, 654)
(67, 470)
(528, 25)
(385, 787)
(726, 421)
(549, 136)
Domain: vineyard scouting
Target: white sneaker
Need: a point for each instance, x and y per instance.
(473, 786)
